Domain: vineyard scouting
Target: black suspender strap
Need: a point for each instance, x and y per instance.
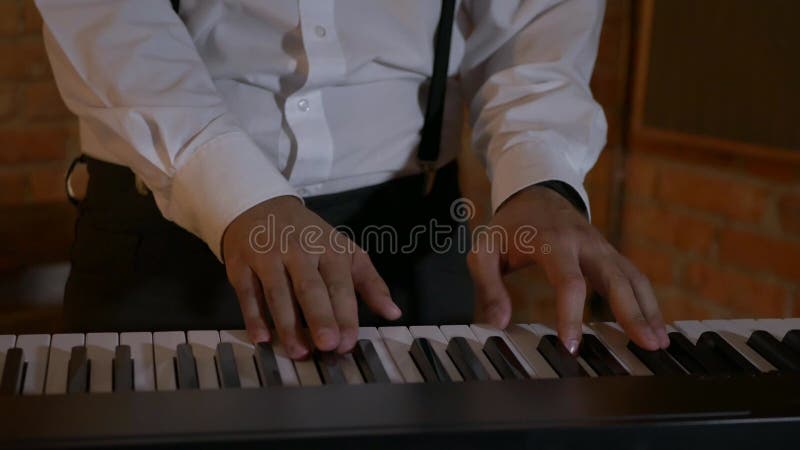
(428, 152)
(431, 135)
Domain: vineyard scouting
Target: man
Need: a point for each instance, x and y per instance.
(229, 114)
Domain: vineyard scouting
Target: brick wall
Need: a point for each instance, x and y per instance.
(37, 139)
(715, 241)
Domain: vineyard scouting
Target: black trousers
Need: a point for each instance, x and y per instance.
(134, 270)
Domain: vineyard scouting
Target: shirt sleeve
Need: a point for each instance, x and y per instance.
(526, 71)
(131, 73)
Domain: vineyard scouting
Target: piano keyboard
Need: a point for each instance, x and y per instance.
(205, 360)
(732, 383)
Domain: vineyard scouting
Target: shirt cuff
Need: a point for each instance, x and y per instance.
(225, 177)
(522, 166)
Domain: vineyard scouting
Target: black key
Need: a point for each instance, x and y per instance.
(658, 361)
(267, 365)
(560, 359)
(226, 367)
(792, 340)
(736, 362)
(503, 359)
(682, 350)
(599, 357)
(369, 362)
(78, 371)
(122, 369)
(427, 362)
(465, 360)
(13, 372)
(774, 351)
(329, 368)
(186, 367)
(697, 360)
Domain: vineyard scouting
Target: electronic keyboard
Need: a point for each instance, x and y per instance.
(732, 383)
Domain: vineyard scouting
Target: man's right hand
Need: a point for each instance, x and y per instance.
(269, 263)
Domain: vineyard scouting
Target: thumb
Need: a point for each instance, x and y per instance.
(492, 302)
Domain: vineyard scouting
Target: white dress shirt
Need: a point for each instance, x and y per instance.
(236, 102)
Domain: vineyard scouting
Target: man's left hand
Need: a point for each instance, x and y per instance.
(577, 254)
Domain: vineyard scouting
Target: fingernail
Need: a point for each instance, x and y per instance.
(663, 337)
(327, 339)
(297, 352)
(649, 336)
(394, 312)
(572, 346)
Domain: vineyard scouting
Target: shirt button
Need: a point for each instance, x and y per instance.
(303, 192)
(320, 31)
(303, 105)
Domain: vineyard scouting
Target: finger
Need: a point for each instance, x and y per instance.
(492, 301)
(373, 290)
(251, 302)
(611, 282)
(278, 296)
(312, 295)
(646, 299)
(563, 271)
(336, 275)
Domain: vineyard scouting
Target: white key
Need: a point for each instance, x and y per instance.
(306, 369)
(243, 351)
(58, 361)
(285, 365)
(204, 347)
(778, 327)
(6, 343)
(307, 372)
(398, 343)
(527, 342)
(451, 331)
(483, 332)
(350, 369)
(736, 332)
(165, 348)
(692, 329)
(439, 344)
(589, 330)
(374, 335)
(615, 340)
(141, 344)
(35, 349)
(793, 323)
(100, 348)
(543, 330)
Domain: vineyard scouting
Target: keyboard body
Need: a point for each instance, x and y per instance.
(730, 410)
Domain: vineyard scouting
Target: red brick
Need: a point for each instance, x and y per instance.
(789, 212)
(7, 101)
(760, 252)
(47, 184)
(32, 20)
(42, 101)
(656, 264)
(706, 190)
(13, 187)
(675, 229)
(23, 60)
(640, 175)
(9, 17)
(33, 144)
(740, 291)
